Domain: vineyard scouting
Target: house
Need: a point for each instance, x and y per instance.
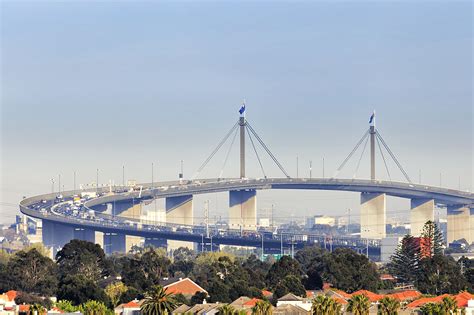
(130, 308)
(204, 308)
(291, 299)
(186, 287)
(289, 309)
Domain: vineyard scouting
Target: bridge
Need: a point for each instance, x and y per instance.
(117, 225)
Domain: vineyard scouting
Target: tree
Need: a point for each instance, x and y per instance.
(449, 305)
(79, 289)
(325, 305)
(439, 275)
(431, 242)
(347, 270)
(37, 309)
(32, 273)
(262, 308)
(359, 305)
(227, 309)
(158, 302)
(93, 308)
(388, 306)
(198, 298)
(431, 309)
(66, 306)
(82, 258)
(257, 270)
(284, 267)
(404, 262)
(114, 291)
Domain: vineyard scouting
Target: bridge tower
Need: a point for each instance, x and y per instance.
(242, 123)
(372, 146)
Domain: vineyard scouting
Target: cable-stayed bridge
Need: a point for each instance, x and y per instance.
(113, 216)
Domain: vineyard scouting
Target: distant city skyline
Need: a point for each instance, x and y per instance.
(99, 85)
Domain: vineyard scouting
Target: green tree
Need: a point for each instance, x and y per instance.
(93, 308)
(279, 270)
(198, 298)
(158, 302)
(79, 289)
(359, 305)
(388, 306)
(449, 305)
(431, 240)
(114, 291)
(262, 308)
(66, 306)
(325, 305)
(32, 273)
(227, 309)
(82, 258)
(439, 275)
(431, 309)
(347, 270)
(37, 309)
(404, 262)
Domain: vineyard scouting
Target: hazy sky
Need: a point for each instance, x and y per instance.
(87, 85)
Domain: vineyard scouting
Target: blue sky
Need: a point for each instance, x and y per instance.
(88, 85)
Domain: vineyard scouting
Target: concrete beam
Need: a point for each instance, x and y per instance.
(243, 209)
(422, 210)
(460, 224)
(373, 215)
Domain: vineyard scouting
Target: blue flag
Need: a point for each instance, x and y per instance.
(242, 109)
(372, 118)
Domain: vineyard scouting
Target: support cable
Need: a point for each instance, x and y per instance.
(352, 153)
(393, 157)
(203, 165)
(268, 150)
(228, 153)
(360, 158)
(383, 157)
(256, 153)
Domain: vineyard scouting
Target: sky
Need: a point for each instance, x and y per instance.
(91, 85)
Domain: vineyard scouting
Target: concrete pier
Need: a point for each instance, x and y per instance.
(179, 210)
(373, 215)
(56, 234)
(422, 210)
(243, 209)
(460, 224)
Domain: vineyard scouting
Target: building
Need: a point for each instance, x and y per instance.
(186, 286)
(320, 220)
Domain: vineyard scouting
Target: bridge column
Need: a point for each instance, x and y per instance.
(120, 243)
(179, 210)
(56, 234)
(460, 224)
(373, 215)
(422, 210)
(89, 236)
(243, 209)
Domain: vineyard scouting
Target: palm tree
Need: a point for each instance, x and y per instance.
(262, 308)
(449, 305)
(227, 310)
(37, 309)
(431, 309)
(325, 305)
(158, 302)
(388, 306)
(359, 305)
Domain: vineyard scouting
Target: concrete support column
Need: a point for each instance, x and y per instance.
(179, 210)
(373, 215)
(114, 243)
(243, 209)
(422, 210)
(56, 234)
(460, 224)
(84, 234)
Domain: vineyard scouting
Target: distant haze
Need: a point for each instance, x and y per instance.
(87, 85)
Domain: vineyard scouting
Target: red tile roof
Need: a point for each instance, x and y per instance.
(24, 308)
(251, 303)
(12, 294)
(373, 297)
(266, 293)
(131, 304)
(405, 295)
(184, 286)
(340, 300)
(423, 301)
